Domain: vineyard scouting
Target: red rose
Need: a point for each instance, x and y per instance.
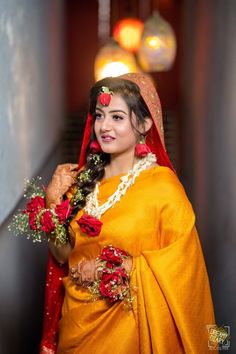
(63, 210)
(122, 273)
(105, 288)
(142, 150)
(104, 98)
(114, 285)
(90, 225)
(47, 224)
(35, 204)
(32, 220)
(111, 255)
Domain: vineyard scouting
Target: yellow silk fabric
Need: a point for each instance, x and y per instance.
(154, 223)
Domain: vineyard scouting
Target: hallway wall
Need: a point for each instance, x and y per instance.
(209, 110)
(31, 95)
(31, 121)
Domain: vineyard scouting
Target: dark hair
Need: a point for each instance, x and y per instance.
(130, 92)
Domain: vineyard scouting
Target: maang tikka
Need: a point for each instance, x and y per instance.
(105, 96)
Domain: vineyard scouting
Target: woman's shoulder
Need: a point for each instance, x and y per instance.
(161, 181)
(160, 175)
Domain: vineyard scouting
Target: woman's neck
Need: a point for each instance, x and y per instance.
(120, 164)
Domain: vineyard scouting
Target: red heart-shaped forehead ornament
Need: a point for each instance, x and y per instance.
(105, 96)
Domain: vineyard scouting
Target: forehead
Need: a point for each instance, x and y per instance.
(117, 102)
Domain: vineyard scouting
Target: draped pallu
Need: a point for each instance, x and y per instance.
(153, 222)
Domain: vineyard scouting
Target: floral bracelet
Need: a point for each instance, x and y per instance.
(36, 220)
(114, 282)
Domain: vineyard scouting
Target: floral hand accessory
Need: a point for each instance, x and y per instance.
(109, 279)
(35, 221)
(114, 282)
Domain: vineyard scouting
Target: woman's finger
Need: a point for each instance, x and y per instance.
(71, 166)
(67, 180)
(67, 167)
(74, 173)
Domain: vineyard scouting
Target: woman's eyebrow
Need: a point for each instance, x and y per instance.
(112, 111)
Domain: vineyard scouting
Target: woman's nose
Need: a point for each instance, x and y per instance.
(106, 124)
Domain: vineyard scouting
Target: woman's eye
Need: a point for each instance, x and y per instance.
(98, 116)
(116, 117)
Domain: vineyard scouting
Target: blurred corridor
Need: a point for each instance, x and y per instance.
(47, 52)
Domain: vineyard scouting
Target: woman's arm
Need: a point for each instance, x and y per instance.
(61, 253)
(62, 179)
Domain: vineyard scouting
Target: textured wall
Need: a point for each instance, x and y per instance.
(31, 120)
(209, 96)
(30, 91)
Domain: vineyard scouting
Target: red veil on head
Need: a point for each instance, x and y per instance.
(155, 140)
(155, 137)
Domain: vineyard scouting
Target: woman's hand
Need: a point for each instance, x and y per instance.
(63, 178)
(87, 271)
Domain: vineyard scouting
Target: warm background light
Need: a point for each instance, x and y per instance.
(115, 68)
(158, 46)
(127, 33)
(112, 60)
(153, 42)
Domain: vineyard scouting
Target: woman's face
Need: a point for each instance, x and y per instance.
(113, 127)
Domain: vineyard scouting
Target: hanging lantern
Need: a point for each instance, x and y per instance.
(127, 32)
(158, 45)
(112, 60)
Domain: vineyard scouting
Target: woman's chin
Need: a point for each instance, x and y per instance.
(108, 149)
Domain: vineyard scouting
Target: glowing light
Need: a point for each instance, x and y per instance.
(114, 69)
(158, 46)
(128, 32)
(153, 42)
(112, 60)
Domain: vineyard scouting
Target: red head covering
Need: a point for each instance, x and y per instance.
(55, 273)
(155, 136)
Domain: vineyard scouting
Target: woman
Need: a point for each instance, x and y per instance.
(132, 202)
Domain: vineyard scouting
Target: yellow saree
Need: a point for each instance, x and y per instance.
(154, 223)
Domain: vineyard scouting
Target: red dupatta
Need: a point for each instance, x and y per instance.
(54, 291)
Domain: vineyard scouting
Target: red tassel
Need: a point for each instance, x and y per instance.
(95, 147)
(142, 149)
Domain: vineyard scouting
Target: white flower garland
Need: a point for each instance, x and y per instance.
(92, 208)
